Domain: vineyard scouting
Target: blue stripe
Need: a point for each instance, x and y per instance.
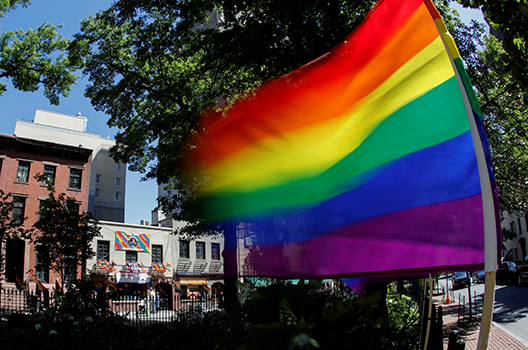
(441, 173)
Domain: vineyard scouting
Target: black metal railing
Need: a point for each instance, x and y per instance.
(137, 310)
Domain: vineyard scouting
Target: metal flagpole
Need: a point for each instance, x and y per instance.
(429, 313)
(488, 203)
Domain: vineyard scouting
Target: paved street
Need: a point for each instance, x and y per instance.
(510, 311)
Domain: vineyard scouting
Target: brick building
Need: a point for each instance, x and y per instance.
(20, 160)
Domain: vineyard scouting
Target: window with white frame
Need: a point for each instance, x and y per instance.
(75, 178)
(119, 165)
(49, 172)
(200, 250)
(23, 171)
(42, 266)
(97, 178)
(97, 193)
(157, 254)
(19, 209)
(117, 196)
(184, 250)
(131, 257)
(215, 251)
(103, 250)
(118, 182)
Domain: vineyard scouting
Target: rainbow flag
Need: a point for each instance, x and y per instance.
(161, 291)
(40, 286)
(177, 289)
(132, 241)
(112, 286)
(194, 287)
(206, 288)
(20, 285)
(368, 161)
(58, 288)
(99, 286)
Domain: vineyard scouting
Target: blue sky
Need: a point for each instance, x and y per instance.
(140, 196)
(14, 105)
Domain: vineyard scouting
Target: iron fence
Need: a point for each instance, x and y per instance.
(136, 309)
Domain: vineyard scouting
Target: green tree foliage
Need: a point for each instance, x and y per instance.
(34, 58)
(508, 20)
(504, 109)
(9, 228)
(64, 234)
(8, 5)
(503, 105)
(154, 65)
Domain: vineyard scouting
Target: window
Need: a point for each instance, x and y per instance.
(23, 171)
(119, 165)
(70, 263)
(157, 254)
(97, 193)
(131, 257)
(97, 178)
(75, 178)
(41, 205)
(19, 209)
(14, 259)
(519, 224)
(118, 182)
(200, 250)
(1, 162)
(42, 267)
(512, 227)
(215, 251)
(117, 197)
(49, 172)
(184, 250)
(103, 250)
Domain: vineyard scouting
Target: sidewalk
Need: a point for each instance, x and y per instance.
(500, 338)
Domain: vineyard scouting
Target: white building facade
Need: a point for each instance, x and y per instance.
(135, 257)
(515, 249)
(107, 178)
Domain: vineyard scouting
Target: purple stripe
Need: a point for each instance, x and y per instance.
(432, 238)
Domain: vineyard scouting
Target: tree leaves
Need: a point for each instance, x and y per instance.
(64, 232)
(36, 58)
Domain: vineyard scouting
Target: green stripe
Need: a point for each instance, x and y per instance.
(468, 86)
(406, 131)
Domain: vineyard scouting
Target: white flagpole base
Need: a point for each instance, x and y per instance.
(487, 310)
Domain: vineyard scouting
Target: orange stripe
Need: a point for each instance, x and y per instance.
(432, 9)
(336, 84)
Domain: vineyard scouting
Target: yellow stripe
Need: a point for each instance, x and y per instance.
(311, 150)
(449, 41)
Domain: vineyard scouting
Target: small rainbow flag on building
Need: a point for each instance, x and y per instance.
(58, 287)
(370, 160)
(99, 286)
(40, 286)
(20, 285)
(161, 291)
(177, 289)
(194, 287)
(112, 287)
(206, 288)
